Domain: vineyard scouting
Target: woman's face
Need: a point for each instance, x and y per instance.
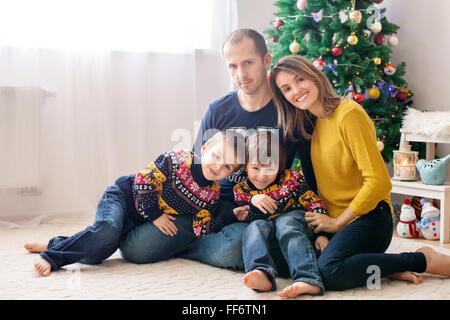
(301, 93)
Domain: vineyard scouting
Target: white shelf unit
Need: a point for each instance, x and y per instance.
(419, 189)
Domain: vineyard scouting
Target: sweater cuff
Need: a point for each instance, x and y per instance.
(153, 213)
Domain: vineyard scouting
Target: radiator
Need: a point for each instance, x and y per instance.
(20, 113)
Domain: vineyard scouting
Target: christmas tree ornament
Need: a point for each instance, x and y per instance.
(407, 225)
(343, 16)
(317, 16)
(380, 145)
(380, 39)
(375, 27)
(278, 23)
(374, 93)
(393, 41)
(352, 39)
(275, 39)
(336, 52)
(390, 69)
(401, 96)
(319, 63)
(302, 4)
(355, 16)
(295, 47)
(376, 60)
(359, 97)
(378, 1)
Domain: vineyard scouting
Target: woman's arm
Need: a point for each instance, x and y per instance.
(321, 222)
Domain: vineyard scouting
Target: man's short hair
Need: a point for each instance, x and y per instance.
(240, 34)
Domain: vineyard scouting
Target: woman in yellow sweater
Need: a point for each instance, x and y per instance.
(352, 181)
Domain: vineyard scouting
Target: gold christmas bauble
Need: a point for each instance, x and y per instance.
(380, 145)
(374, 93)
(295, 47)
(355, 16)
(352, 40)
(377, 61)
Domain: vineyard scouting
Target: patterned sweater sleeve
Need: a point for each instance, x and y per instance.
(148, 187)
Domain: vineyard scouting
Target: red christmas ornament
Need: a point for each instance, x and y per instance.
(336, 52)
(380, 39)
(378, 1)
(275, 39)
(401, 96)
(359, 97)
(278, 23)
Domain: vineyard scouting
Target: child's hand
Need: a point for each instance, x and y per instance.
(241, 213)
(165, 225)
(264, 203)
(321, 243)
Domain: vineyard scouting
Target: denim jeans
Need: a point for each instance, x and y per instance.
(222, 249)
(97, 242)
(294, 237)
(348, 260)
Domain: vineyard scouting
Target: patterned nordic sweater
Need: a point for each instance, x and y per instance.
(290, 192)
(172, 184)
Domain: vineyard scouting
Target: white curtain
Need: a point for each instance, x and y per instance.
(99, 113)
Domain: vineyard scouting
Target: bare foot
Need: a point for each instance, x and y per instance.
(437, 263)
(298, 288)
(35, 247)
(406, 276)
(43, 267)
(257, 280)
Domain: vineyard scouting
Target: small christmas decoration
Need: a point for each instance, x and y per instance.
(374, 93)
(380, 39)
(302, 4)
(380, 145)
(359, 97)
(352, 39)
(401, 96)
(319, 63)
(393, 41)
(407, 226)
(295, 47)
(375, 27)
(390, 69)
(275, 39)
(378, 1)
(317, 16)
(336, 52)
(377, 60)
(355, 16)
(278, 23)
(430, 224)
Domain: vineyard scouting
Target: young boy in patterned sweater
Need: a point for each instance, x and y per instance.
(277, 200)
(177, 182)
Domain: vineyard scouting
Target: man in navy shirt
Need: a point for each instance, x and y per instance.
(248, 108)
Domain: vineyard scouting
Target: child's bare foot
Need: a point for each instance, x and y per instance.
(43, 267)
(298, 288)
(437, 263)
(406, 276)
(35, 247)
(257, 280)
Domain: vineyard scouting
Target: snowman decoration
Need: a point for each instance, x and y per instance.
(407, 226)
(429, 224)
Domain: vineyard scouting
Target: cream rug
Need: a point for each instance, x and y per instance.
(176, 279)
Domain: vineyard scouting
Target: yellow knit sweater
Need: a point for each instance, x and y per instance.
(349, 169)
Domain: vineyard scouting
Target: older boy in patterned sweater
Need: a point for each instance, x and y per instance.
(278, 198)
(177, 182)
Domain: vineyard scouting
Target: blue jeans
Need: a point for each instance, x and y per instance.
(97, 242)
(222, 249)
(294, 237)
(345, 262)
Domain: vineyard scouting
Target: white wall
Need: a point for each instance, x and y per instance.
(423, 45)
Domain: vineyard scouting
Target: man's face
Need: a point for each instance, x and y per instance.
(246, 66)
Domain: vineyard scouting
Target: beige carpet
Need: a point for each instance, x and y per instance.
(176, 279)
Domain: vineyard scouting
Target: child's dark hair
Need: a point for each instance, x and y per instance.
(265, 147)
(232, 139)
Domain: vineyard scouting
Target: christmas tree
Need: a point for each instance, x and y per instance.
(351, 41)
